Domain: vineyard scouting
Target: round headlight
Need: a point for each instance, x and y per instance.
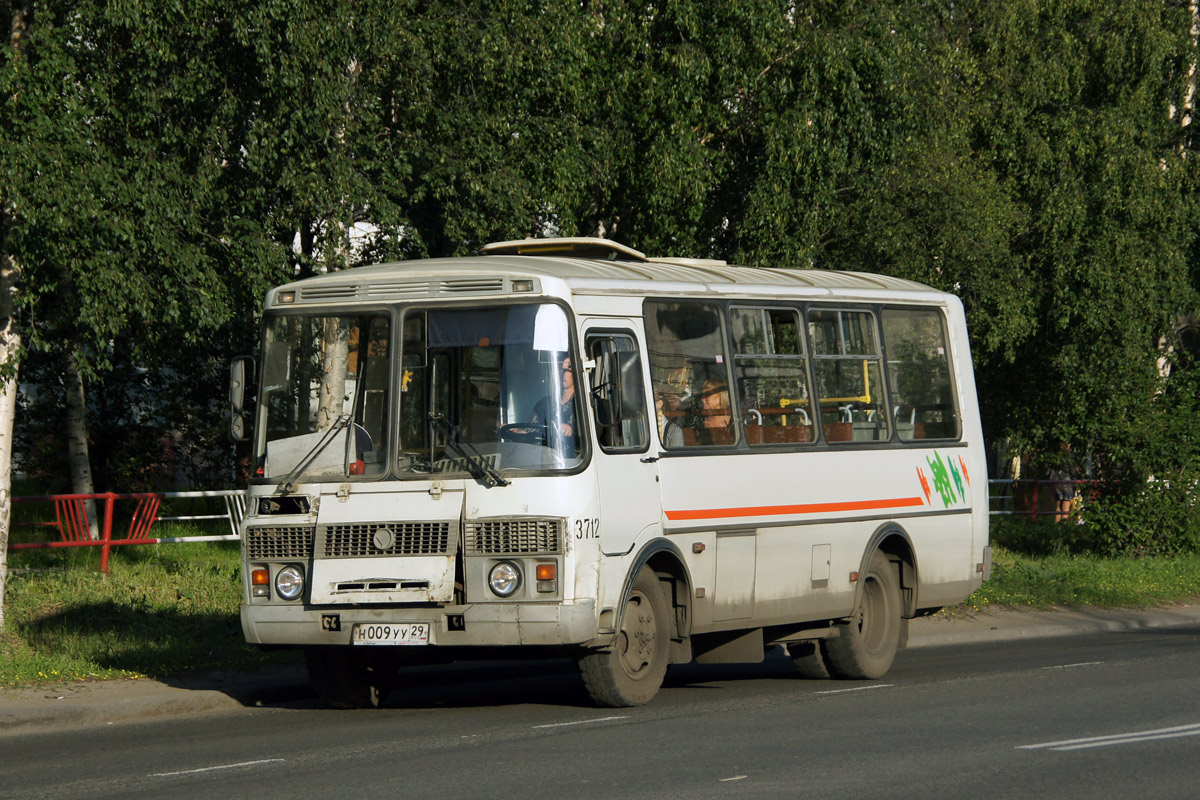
(505, 578)
(289, 583)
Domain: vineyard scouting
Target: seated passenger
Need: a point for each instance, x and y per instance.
(672, 434)
(715, 420)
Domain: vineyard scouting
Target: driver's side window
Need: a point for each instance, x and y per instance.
(617, 375)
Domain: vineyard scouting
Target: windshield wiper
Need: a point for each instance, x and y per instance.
(477, 465)
(288, 483)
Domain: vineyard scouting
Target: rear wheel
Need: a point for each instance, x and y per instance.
(810, 659)
(631, 673)
(866, 644)
(348, 678)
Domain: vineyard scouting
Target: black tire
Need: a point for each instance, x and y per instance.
(810, 659)
(866, 644)
(631, 672)
(349, 678)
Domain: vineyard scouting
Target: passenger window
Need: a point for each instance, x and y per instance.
(846, 367)
(616, 385)
(771, 376)
(688, 370)
(923, 401)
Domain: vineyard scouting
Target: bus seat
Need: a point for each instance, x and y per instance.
(838, 431)
(778, 434)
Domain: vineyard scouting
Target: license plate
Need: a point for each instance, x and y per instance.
(390, 633)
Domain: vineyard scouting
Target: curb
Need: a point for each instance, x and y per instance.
(87, 704)
(1007, 624)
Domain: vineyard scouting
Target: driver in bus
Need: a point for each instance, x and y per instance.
(559, 418)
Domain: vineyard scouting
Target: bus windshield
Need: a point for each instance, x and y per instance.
(479, 390)
(325, 388)
(488, 389)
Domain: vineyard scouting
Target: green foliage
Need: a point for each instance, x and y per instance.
(165, 163)
(1159, 517)
(1022, 535)
(116, 134)
(1084, 145)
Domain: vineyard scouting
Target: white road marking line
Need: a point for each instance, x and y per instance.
(734, 778)
(1080, 664)
(1132, 740)
(858, 688)
(579, 722)
(1117, 738)
(223, 766)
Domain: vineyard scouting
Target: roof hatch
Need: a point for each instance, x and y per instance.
(577, 247)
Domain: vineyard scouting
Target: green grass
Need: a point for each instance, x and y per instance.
(168, 610)
(1087, 580)
(163, 610)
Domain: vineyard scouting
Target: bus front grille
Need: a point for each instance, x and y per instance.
(283, 541)
(384, 539)
(514, 536)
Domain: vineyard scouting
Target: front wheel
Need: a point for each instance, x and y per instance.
(631, 673)
(348, 678)
(866, 644)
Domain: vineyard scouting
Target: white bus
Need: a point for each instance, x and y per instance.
(563, 446)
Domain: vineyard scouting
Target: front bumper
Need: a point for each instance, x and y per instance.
(482, 625)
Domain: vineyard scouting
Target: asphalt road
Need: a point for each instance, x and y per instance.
(1092, 716)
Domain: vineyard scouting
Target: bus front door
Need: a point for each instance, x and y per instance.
(627, 473)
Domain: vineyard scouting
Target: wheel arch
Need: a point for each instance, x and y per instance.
(664, 559)
(894, 542)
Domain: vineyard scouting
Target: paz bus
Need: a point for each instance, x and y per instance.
(566, 447)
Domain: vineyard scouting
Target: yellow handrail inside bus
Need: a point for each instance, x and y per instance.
(864, 398)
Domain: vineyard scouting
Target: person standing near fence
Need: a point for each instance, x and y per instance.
(1064, 486)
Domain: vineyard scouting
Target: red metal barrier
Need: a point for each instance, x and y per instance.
(73, 526)
(71, 515)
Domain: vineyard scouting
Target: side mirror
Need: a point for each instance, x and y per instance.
(239, 371)
(630, 388)
(617, 382)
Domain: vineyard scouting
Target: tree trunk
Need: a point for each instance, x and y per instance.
(77, 442)
(336, 345)
(10, 351)
(1189, 99)
(10, 334)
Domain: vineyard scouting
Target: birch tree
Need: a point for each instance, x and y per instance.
(10, 281)
(77, 442)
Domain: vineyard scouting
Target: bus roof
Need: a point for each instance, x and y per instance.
(589, 266)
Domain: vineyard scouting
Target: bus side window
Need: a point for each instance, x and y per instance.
(689, 375)
(923, 399)
(848, 375)
(620, 426)
(771, 375)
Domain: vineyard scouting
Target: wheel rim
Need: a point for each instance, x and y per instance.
(639, 636)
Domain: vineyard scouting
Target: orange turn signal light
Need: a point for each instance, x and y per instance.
(546, 572)
(260, 576)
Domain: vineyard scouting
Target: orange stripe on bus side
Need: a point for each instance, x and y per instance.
(806, 508)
